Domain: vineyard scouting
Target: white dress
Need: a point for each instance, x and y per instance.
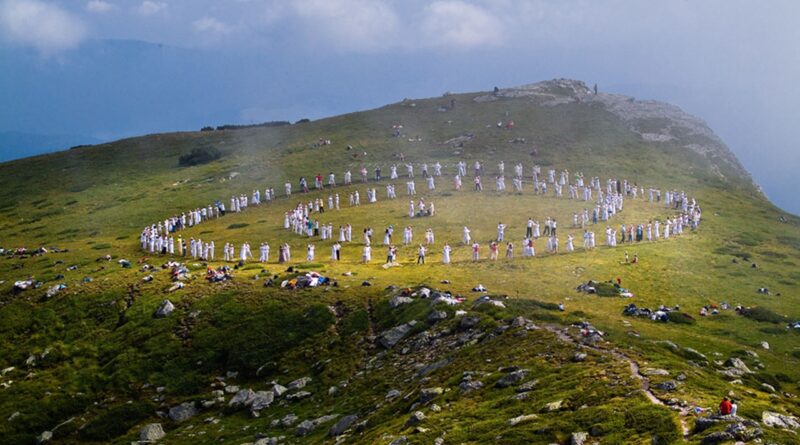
(446, 255)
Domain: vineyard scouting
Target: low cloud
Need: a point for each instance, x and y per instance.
(99, 6)
(43, 26)
(457, 24)
(357, 25)
(210, 25)
(150, 7)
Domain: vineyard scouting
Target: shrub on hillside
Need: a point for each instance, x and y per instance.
(681, 318)
(116, 421)
(606, 290)
(200, 155)
(759, 313)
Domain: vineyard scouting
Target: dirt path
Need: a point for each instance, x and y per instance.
(564, 336)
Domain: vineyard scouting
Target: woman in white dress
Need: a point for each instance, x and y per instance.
(446, 254)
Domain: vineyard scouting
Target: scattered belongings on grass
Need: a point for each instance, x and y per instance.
(485, 299)
(178, 271)
(23, 285)
(663, 314)
(54, 290)
(177, 286)
(588, 332)
(222, 273)
(309, 279)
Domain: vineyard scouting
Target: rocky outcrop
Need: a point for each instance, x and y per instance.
(654, 121)
(394, 335)
(777, 420)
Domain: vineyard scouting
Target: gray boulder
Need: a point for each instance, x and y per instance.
(694, 354)
(391, 337)
(437, 316)
(470, 385)
(393, 393)
(738, 364)
(242, 398)
(261, 400)
(428, 394)
(717, 437)
(669, 385)
(511, 378)
(468, 323)
(521, 419)
(288, 420)
(307, 426)
(298, 395)
(342, 425)
(44, 437)
(434, 367)
(654, 371)
(304, 428)
(183, 412)
(279, 390)
(299, 383)
(553, 406)
(151, 433)
(415, 419)
(527, 386)
(164, 309)
(578, 438)
(402, 440)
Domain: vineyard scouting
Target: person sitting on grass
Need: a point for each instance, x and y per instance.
(725, 407)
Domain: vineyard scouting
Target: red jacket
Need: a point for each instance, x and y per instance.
(725, 407)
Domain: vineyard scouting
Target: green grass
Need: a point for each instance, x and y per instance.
(105, 348)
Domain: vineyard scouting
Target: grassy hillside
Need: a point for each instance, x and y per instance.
(92, 365)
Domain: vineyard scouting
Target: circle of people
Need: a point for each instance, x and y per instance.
(303, 220)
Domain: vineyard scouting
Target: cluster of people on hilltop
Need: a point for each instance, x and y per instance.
(609, 199)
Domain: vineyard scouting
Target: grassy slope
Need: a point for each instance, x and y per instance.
(95, 200)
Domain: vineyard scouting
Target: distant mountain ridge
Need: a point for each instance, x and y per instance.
(15, 144)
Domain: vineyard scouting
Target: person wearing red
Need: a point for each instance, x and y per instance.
(725, 407)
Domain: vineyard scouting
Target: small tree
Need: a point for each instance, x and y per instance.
(200, 155)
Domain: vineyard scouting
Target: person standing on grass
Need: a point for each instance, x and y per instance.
(421, 254)
(501, 230)
(446, 254)
(493, 247)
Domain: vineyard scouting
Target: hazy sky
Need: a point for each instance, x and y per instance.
(82, 67)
